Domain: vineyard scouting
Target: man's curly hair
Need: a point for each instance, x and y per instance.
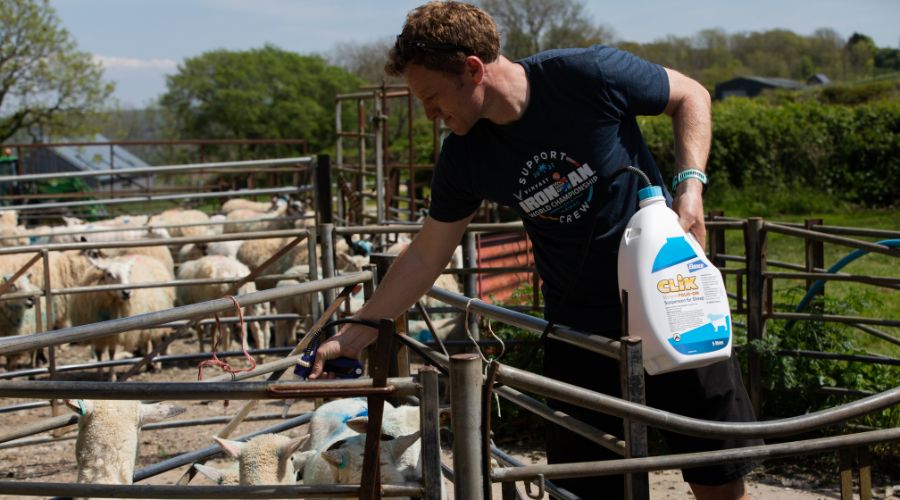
(440, 35)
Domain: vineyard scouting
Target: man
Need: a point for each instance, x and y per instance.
(547, 136)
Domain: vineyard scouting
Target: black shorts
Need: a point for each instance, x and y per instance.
(714, 392)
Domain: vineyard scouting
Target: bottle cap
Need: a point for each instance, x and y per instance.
(649, 192)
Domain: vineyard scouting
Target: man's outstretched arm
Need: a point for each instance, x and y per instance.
(411, 275)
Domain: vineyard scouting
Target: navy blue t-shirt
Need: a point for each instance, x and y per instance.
(554, 165)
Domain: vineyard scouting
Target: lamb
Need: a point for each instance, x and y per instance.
(339, 460)
(265, 459)
(220, 267)
(107, 445)
(17, 315)
(93, 307)
(215, 226)
(224, 477)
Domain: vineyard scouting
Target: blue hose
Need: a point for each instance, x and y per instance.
(833, 269)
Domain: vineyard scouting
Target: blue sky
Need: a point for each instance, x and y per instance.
(140, 41)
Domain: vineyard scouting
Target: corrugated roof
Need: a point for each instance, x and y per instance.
(98, 157)
(774, 82)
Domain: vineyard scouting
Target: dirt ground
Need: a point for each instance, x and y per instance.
(55, 461)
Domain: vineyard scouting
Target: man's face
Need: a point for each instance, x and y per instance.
(454, 98)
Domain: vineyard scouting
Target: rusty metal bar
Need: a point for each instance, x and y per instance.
(813, 235)
(182, 391)
(201, 309)
(609, 467)
(584, 398)
(28, 488)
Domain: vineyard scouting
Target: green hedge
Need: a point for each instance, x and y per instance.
(842, 153)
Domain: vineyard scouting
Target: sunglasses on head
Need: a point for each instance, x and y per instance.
(406, 43)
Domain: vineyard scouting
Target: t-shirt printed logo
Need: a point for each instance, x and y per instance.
(556, 187)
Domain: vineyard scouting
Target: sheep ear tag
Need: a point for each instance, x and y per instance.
(80, 406)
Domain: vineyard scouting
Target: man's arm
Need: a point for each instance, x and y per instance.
(411, 275)
(690, 109)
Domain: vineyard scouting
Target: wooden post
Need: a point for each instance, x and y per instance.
(815, 254)
(631, 375)
(755, 251)
(716, 240)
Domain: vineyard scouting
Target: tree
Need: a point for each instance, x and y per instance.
(861, 54)
(529, 26)
(45, 82)
(364, 60)
(266, 93)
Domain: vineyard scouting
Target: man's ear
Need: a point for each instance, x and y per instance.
(475, 69)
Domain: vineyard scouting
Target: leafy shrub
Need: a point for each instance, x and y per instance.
(843, 153)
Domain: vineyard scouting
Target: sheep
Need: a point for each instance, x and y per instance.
(17, 315)
(9, 218)
(253, 253)
(265, 459)
(93, 307)
(220, 267)
(182, 216)
(340, 460)
(223, 477)
(66, 271)
(88, 232)
(241, 203)
(283, 208)
(159, 252)
(343, 463)
(12, 236)
(295, 304)
(215, 223)
(193, 251)
(107, 445)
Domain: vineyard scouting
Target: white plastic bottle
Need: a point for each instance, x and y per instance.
(677, 303)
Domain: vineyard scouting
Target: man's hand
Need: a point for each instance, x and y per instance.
(688, 204)
(349, 342)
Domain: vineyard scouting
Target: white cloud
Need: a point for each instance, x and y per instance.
(132, 63)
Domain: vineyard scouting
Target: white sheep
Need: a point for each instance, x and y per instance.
(9, 218)
(253, 253)
(13, 236)
(182, 216)
(67, 269)
(341, 460)
(230, 476)
(220, 267)
(244, 204)
(265, 459)
(283, 208)
(215, 225)
(158, 252)
(107, 445)
(298, 304)
(17, 315)
(96, 306)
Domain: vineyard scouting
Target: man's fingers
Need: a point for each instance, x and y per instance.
(319, 363)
